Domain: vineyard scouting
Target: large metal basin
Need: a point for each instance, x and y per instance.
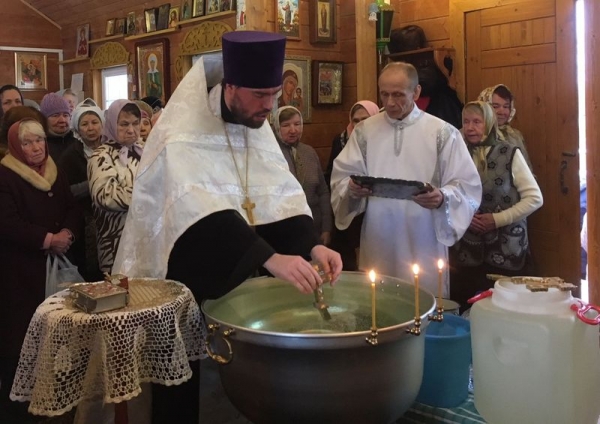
(289, 365)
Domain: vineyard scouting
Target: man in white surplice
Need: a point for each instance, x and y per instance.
(406, 143)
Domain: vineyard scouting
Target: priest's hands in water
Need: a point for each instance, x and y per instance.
(330, 261)
(357, 191)
(302, 274)
(295, 270)
(431, 199)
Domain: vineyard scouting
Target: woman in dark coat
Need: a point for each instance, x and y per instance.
(38, 214)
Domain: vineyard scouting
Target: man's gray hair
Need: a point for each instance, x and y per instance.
(409, 70)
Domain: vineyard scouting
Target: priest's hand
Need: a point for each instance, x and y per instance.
(330, 260)
(294, 269)
(430, 200)
(357, 191)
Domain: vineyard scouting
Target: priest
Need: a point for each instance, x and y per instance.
(214, 200)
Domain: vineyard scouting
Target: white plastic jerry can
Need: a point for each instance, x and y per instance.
(536, 356)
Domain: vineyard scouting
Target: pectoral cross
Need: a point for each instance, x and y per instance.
(248, 206)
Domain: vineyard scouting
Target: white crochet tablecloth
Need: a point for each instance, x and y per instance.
(69, 355)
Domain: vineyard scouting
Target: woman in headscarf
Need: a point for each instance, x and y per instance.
(87, 123)
(111, 171)
(304, 163)
(496, 241)
(500, 98)
(37, 215)
(347, 241)
(13, 115)
(146, 121)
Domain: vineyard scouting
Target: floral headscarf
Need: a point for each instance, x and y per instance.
(486, 96)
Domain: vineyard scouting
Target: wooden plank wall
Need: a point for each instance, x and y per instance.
(431, 15)
(592, 93)
(23, 27)
(327, 121)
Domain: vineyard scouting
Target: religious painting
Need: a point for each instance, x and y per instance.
(240, 15)
(174, 17)
(327, 83)
(288, 18)
(213, 6)
(83, 40)
(31, 71)
(152, 67)
(110, 27)
(131, 25)
(120, 26)
(295, 87)
(162, 20)
(199, 8)
(322, 21)
(186, 10)
(151, 15)
(227, 5)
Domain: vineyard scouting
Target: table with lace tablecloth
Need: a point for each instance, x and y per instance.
(69, 355)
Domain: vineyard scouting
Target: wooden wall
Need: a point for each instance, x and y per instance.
(327, 121)
(592, 58)
(431, 15)
(23, 27)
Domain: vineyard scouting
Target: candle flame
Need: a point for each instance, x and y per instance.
(415, 269)
(372, 276)
(440, 264)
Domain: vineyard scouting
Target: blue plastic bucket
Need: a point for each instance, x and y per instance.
(447, 359)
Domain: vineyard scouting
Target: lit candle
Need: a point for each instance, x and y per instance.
(372, 277)
(415, 269)
(440, 282)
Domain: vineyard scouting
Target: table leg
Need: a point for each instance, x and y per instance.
(121, 413)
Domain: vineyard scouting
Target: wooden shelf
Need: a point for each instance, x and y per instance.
(206, 17)
(102, 40)
(152, 34)
(77, 59)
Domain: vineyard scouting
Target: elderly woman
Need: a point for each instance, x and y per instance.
(305, 165)
(86, 123)
(348, 241)
(111, 171)
(37, 215)
(496, 241)
(503, 103)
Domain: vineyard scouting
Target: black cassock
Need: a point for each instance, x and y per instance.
(212, 257)
(220, 251)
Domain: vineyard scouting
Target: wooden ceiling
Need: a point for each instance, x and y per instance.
(68, 13)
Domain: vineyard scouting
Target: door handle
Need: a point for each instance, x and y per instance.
(569, 154)
(563, 167)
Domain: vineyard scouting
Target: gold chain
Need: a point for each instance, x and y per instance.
(248, 206)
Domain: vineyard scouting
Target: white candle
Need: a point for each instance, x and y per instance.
(440, 265)
(415, 269)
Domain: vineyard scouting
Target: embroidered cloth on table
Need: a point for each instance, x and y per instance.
(69, 355)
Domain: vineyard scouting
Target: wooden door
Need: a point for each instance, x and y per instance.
(530, 47)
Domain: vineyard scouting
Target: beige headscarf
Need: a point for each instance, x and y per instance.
(486, 96)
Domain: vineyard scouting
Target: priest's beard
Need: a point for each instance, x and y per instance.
(243, 116)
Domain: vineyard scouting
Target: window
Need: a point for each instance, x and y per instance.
(114, 85)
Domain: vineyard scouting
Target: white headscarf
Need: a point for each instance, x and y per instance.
(81, 109)
(187, 173)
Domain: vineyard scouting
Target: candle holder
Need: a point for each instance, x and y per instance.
(372, 338)
(438, 316)
(415, 330)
